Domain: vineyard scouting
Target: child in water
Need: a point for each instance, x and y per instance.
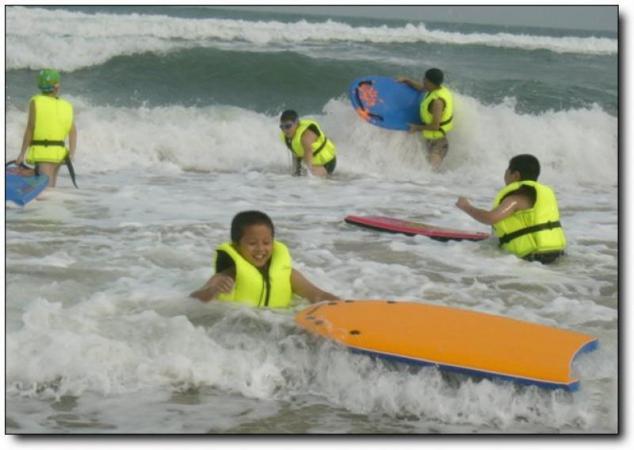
(525, 213)
(255, 269)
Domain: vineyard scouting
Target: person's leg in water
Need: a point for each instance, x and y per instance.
(51, 170)
(436, 152)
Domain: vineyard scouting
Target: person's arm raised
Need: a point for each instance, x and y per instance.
(509, 205)
(411, 83)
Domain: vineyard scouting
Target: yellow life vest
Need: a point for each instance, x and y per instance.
(53, 121)
(446, 119)
(531, 231)
(324, 149)
(250, 286)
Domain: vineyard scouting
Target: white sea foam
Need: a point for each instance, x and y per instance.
(114, 321)
(578, 145)
(68, 40)
(113, 347)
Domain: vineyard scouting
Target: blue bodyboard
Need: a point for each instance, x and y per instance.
(21, 188)
(385, 102)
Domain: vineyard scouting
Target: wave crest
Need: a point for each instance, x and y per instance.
(69, 40)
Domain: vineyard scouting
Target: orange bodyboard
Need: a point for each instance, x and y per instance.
(452, 338)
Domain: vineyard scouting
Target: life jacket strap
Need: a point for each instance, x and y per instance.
(320, 148)
(532, 229)
(288, 143)
(71, 170)
(446, 121)
(47, 143)
(440, 125)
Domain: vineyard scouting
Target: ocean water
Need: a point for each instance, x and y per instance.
(177, 111)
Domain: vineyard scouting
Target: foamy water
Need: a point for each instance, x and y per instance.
(98, 281)
(179, 138)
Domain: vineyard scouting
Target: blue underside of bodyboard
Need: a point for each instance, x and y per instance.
(22, 189)
(569, 387)
(385, 102)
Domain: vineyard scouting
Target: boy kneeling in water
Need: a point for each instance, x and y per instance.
(255, 269)
(525, 215)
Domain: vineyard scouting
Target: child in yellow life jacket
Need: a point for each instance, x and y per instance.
(525, 215)
(50, 122)
(436, 114)
(255, 269)
(308, 143)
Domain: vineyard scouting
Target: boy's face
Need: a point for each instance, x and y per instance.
(256, 244)
(289, 127)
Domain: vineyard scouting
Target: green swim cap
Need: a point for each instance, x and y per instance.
(47, 79)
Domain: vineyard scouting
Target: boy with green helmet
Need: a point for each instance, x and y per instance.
(50, 122)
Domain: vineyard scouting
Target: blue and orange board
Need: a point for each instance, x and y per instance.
(385, 102)
(393, 225)
(21, 184)
(452, 339)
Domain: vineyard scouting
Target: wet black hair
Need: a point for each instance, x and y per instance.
(526, 165)
(435, 76)
(289, 116)
(247, 218)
